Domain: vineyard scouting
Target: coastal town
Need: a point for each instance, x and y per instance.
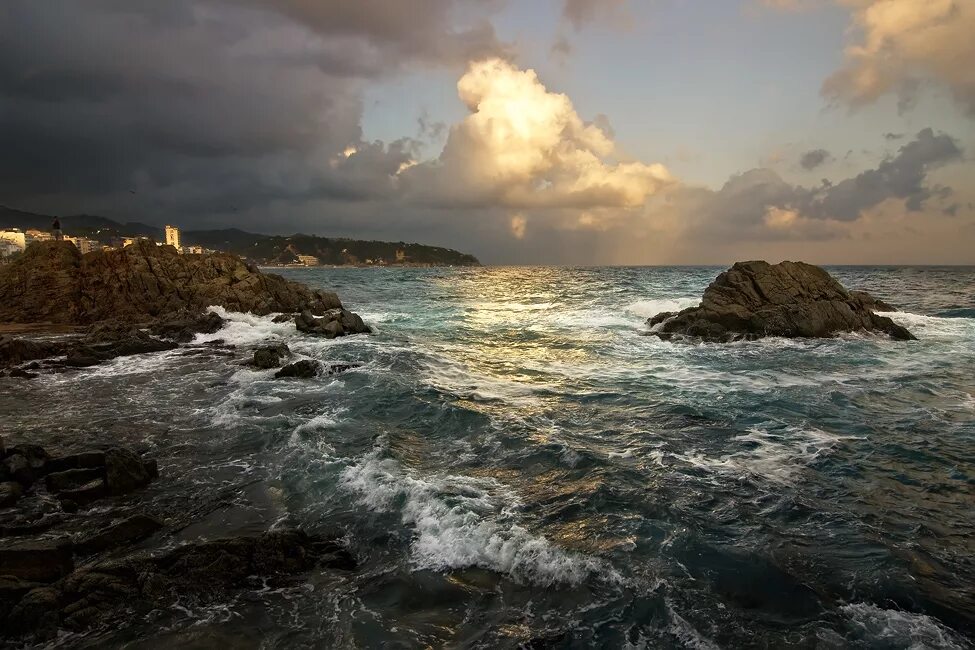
(14, 241)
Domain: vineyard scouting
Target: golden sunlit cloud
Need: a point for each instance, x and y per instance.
(905, 42)
(523, 146)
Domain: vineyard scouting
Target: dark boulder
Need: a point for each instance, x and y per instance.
(17, 467)
(752, 300)
(38, 561)
(128, 531)
(83, 495)
(334, 323)
(184, 327)
(304, 369)
(10, 493)
(124, 471)
(77, 461)
(270, 356)
(92, 596)
(72, 479)
(283, 318)
(20, 373)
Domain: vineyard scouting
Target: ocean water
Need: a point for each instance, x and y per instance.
(514, 462)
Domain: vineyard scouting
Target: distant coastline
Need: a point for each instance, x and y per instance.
(272, 251)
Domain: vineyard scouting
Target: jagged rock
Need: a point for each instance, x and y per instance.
(91, 596)
(335, 322)
(72, 479)
(83, 495)
(756, 299)
(14, 351)
(871, 303)
(128, 531)
(38, 561)
(304, 369)
(270, 356)
(283, 318)
(77, 461)
(124, 471)
(17, 467)
(337, 368)
(53, 282)
(10, 492)
(23, 374)
(183, 328)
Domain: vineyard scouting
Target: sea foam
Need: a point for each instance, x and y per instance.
(458, 522)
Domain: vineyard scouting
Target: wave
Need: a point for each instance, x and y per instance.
(458, 523)
(933, 326)
(891, 628)
(647, 308)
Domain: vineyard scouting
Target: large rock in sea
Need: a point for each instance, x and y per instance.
(752, 300)
(52, 282)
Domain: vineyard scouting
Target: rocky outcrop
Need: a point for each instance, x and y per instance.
(52, 282)
(94, 595)
(752, 300)
(335, 322)
(304, 369)
(270, 356)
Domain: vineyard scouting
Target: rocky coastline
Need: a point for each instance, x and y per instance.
(78, 549)
(753, 300)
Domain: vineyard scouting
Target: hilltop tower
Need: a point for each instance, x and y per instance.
(172, 237)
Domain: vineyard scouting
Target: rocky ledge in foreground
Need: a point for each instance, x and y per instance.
(752, 300)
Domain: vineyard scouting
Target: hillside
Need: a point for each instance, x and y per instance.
(263, 249)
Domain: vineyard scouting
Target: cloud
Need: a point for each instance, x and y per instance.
(903, 43)
(813, 159)
(523, 146)
(579, 13)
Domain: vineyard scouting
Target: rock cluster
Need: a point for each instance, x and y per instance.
(270, 356)
(335, 322)
(752, 300)
(76, 480)
(52, 282)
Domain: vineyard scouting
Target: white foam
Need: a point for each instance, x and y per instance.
(463, 522)
(933, 326)
(892, 628)
(246, 328)
(775, 456)
(647, 308)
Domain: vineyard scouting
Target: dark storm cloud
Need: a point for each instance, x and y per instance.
(205, 105)
(813, 159)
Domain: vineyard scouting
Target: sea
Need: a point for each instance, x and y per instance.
(514, 462)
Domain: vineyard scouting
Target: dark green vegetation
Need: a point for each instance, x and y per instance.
(263, 249)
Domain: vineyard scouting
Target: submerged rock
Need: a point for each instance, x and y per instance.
(752, 300)
(128, 531)
(304, 369)
(270, 356)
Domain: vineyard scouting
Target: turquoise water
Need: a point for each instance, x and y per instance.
(514, 461)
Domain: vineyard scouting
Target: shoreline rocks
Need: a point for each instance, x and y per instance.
(334, 323)
(752, 300)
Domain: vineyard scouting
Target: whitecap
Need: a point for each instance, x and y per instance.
(463, 522)
(893, 628)
(647, 308)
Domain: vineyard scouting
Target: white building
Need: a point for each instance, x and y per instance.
(172, 237)
(193, 250)
(84, 244)
(15, 237)
(308, 260)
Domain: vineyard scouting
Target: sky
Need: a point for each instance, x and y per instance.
(573, 132)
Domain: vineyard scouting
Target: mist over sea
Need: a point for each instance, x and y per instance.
(514, 461)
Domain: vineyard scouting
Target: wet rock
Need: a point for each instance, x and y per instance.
(10, 493)
(124, 471)
(184, 327)
(752, 300)
(72, 479)
(128, 531)
(77, 461)
(36, 457)
(18, 468)
(11, 591)
(337, 368)
(283, 318)
(335, 322)
(304, 369)
(83, 495)
(871, 303)
(23, 374)
(93, 595)
(53, 282)
(38, 561)
(270, 356)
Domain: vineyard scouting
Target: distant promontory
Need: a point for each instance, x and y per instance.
(265, 250)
